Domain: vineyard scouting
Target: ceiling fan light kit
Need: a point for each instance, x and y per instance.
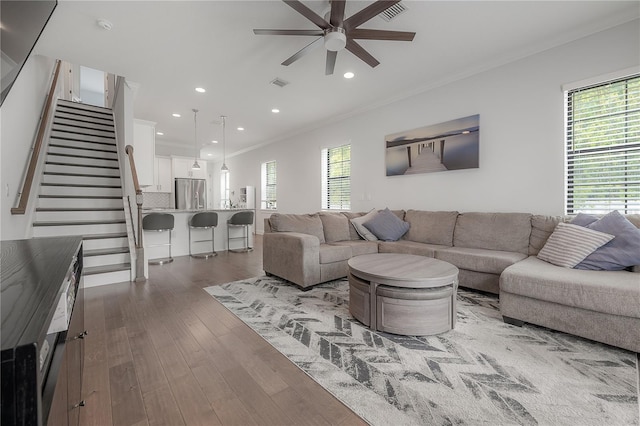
(339, 33)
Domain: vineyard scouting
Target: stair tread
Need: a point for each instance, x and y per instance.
(79, 185)
(81, 105)
(105, 236)
(81, 175)
(79, 222)
(93, 166)
(73, 137)
(111, 197)
(92, 270)
(79, 209)
(84, 148)
(105, 251)
(62, 154)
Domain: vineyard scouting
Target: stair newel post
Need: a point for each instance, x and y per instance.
(139, 201)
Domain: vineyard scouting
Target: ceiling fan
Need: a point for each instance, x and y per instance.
(339, 33)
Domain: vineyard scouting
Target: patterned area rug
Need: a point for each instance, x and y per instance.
(482, 372)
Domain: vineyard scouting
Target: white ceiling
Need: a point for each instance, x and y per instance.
(171, 47)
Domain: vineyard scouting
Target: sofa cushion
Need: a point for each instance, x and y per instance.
(610, 292)
(620, 253)
(542, 227)
(330, 253)
(302, 223)
(493, 231)
(358, 223)
(353, 234)
(570, 244)
(430, 227)
(387, 226)
(359, 247)
(336, 227)
(408, 247)
(480, 260)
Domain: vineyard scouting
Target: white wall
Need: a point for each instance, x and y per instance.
(19, 117)
(521, 111)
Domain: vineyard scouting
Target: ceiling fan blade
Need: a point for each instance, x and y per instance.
(368, 12)
(308, 13)
(331, 62)
(363, 34)
(300, 53)
(288, 32)
(337, 13)
(359, 51)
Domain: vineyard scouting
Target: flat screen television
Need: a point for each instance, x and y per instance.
(21, 23)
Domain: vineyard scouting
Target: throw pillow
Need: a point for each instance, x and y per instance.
(569, 244)
(357, 223)
(583, 219)
(621, 253)
(387, 226)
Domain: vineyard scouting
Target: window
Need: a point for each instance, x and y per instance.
(336, 178)
(268, 185)
(225, 198)
(603, 147)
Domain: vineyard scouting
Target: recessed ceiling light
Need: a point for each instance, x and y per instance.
(214, 141)
(175, 114)
(104, 24)
(275, 110)
(349, 74)
(209, 154)
(241, 128)
(200, 90)
(159, 133)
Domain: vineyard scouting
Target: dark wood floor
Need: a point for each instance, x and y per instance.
(164, 352)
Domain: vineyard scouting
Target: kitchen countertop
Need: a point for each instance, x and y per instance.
(169, 210)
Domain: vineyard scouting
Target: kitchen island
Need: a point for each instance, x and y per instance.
(180, 234)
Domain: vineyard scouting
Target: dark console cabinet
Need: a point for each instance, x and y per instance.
(42, 331)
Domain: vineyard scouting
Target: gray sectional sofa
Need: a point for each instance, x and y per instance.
(494, 252)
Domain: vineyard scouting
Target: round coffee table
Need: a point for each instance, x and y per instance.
(403, 293)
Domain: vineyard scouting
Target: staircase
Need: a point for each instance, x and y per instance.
(81, 193)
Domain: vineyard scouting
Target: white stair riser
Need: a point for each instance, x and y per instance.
(69, 190)
(81, 161)
(80, 202)
(57, 134)
(85, 180)
(57, 231)
(79, 215)
(73, 116)
(76, 130)
(84, 170)
(107, 259)
(74, 151)
(85, 124)
(63, 103)
(107, 278)
(82, 144)
(104, 243)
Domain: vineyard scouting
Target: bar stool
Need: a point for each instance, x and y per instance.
(242, 220)
(203, 220)
(159, 222)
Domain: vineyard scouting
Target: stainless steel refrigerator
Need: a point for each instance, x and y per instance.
(191, 194)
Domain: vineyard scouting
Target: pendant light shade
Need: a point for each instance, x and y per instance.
(195, 166)
(224, 168)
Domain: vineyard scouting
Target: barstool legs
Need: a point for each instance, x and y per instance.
(245, 237)
(212, 253)
(164, 260)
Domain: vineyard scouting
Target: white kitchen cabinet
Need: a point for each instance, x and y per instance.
(144, 151)
(182, 169)
(163, 174)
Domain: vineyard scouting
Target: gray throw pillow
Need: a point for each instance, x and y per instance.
(569, 244)
(620, 253)
(387, 226)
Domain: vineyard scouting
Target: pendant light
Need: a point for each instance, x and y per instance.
(195, 166)
(224, 168)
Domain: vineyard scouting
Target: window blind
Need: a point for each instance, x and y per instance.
(269, 185)
(603, 148)
(337, 191)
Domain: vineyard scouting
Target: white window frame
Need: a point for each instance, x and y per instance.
(269, 188)
(345, 202)
(609, 168)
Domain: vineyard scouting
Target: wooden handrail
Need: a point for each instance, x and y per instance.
(33, 162)
(134, 174)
